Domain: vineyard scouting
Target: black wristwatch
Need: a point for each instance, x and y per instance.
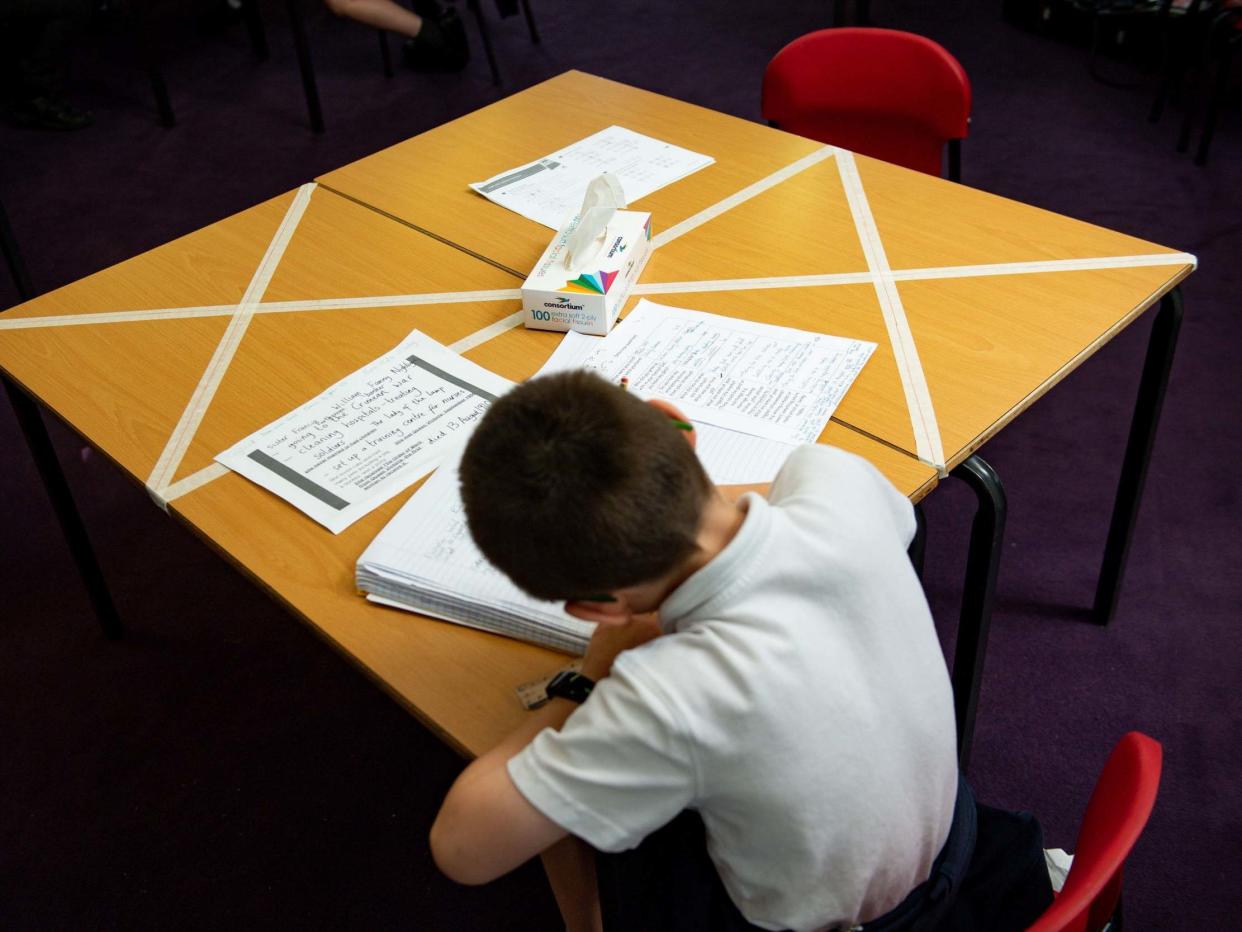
(570, 685)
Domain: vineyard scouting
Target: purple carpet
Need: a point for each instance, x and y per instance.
(222, 767)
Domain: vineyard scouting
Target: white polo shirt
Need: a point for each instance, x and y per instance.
(799, 701)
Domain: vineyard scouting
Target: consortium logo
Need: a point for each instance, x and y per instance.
(617, 247)
(562, 304)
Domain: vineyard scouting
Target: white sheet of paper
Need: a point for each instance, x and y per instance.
(376, 431)
(729, 456)
(550, 190)
(427, 543)
(772, 382)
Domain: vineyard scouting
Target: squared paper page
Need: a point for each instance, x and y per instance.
(774, 382)
(427, 541)
(357, 444)
(550, 190)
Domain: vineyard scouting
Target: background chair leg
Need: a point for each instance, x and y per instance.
(487, 40)
(987, 534)
(385, 53)
(44, 455)
(955, 160)
(1215, 100)
(140, 37)
(1152, 386)
(530, 22)
(13, 258)
(302, 47)
(254, 27)
(918, 546)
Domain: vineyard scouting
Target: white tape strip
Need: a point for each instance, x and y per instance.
(751, 284)
(392, 300)
(918, 398)
(493, 330)
(740, 197)
(194, 481)
(183, 433)
(115, 317)
(1050, 265)
(265, 307)
(514, 294)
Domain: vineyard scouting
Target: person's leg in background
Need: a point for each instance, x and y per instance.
(37, 38)
(435, 41)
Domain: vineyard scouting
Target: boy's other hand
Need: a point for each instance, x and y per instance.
(611, 639)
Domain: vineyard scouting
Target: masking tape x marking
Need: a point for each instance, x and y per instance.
(183, 433)
(878, 274)
(918, 399)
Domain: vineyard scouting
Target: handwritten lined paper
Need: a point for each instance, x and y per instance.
(372, 434)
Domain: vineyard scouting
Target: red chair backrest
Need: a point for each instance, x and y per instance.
(1116, 813)
(889, 94)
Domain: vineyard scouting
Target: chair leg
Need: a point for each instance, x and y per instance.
(385, 53)
(44, 455)
(530, 22)
(254, 27)
(13, 258)
(302, 47)
(477, 10)
(1146, 417)
(1170, 53)
(987, 534)
(955, 160)
(1215, 100)
(140, 38)
(918, 546)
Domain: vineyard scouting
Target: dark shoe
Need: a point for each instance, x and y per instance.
(49, 113)
(439, 46)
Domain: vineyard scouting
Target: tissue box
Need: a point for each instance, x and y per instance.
(554, 298)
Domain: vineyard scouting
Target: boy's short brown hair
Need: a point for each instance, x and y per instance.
(575, 487)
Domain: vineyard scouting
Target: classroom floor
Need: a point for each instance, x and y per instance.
(222, 767)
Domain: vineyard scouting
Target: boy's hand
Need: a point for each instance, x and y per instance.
(611, 639)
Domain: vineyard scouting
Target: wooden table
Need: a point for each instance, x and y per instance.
(995, 300)
(979, 304)
(119, 354)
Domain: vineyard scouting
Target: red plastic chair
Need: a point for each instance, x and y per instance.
(884, 93)
(1116, 813)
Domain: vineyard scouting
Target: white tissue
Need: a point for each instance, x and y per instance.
(604, 197)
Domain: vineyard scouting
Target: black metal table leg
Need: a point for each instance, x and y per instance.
(66, 511)
(918, 546)
(1155, 379)
(987, 533)
(302, 47)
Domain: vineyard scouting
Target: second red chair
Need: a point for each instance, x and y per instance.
(893, 95)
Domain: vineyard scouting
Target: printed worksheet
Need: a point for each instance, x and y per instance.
(770, 382)
(550, 190)
(360, 442)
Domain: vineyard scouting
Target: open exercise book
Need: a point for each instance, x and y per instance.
(754, 391)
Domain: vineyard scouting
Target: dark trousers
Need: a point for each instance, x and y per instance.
(35, 37)
(990, 876)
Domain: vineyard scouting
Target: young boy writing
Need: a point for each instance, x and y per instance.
(791, 689)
